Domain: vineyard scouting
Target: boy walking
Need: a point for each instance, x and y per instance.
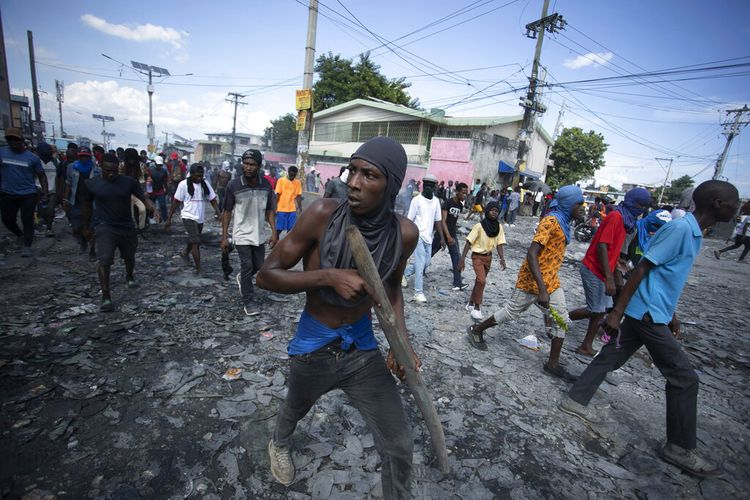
(648, 302)
(484, 237)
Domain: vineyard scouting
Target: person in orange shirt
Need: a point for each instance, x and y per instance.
(288, 200)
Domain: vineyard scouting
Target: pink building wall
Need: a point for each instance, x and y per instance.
(450, 160)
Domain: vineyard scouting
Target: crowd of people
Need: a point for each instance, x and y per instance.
(632, 274)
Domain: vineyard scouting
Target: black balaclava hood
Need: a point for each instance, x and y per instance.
(428, 189)
(491, 227)
(380, 229)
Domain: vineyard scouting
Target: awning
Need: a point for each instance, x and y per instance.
(504, 168)
(531, 175)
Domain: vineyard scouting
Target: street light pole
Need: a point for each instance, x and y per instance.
(151, 71)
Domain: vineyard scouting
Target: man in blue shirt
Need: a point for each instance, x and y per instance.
(648, 301)
(18, 167)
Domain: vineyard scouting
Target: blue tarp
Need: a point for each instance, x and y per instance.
(504, 168)
(531, 175)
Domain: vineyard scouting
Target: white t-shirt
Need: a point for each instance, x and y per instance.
(50, 170)
(193, 208)
(424, 213)
(538, 197)
(741, 225)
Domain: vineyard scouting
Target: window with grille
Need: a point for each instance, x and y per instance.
(405, 132)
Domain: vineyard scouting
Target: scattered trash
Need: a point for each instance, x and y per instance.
(78, 311)
(266, 335)
(232, 374)
(530, 342)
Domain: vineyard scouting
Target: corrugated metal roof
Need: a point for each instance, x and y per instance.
(435, 117)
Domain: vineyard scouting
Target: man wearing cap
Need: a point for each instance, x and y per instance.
(18, 167)
(424, 211)
(334, 346)
(253, 202)
(75, 192)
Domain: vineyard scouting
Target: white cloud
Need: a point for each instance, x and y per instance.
(188, 117)
(138, 33)
(592, 58)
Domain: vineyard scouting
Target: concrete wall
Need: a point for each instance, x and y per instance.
(450, 160)
(486, 154)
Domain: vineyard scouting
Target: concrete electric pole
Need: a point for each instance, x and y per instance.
(60, 87)
(731, 131)
(303, 137)
(236, 100)
(666, 179)
(536, 29)
(36, 128)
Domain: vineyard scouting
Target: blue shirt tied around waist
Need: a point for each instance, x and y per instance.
(312, 335)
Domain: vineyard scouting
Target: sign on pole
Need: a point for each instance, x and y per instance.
(302, 120)
(303, 99)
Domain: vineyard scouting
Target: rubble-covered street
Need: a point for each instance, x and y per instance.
(174, 394)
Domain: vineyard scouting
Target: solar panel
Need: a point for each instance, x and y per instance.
(163, 71)
(98, 117)
(140, 66)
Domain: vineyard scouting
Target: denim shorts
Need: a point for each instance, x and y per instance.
(194, 230)
(285, 220)
(597, 300)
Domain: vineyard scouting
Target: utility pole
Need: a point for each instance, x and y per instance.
(5, 112)
(666, 179)
(731, 131)
(536, 29)
(303, 137)
(555, 135)
(166, 139)
(60, 86)
(36, 127)
(151, 71)
(236, 100)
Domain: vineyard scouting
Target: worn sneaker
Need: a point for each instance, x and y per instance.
(132, 283)
(560, 372)
(576, 409)
(419, 297)
(476, 339)
(239, 282)
(251, 310)
(106, 305)
(26, 252)
(462, 286)
(404, 283)
(469, 306)
(476, 314)
(282, 466)
(689, 461)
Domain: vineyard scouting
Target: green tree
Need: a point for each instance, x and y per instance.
(341, 80)
(282, 135)
(677, 186)
(577, 155)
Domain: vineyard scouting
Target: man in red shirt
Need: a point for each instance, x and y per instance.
(598, 266)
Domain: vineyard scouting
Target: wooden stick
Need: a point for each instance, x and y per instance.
(398, 343)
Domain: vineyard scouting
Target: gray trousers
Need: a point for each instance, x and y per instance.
(363, 376)
(669, 358)
(251, 260)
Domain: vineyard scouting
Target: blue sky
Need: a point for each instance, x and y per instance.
(257, 48)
